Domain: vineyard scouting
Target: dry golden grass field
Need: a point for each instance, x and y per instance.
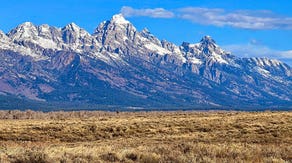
(79, 137)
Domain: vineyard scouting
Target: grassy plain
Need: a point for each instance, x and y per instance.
(79, 137)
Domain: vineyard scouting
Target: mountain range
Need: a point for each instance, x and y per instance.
(117, 65)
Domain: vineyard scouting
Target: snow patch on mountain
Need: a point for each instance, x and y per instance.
(30, 33)
(218, 58)
(157, 49)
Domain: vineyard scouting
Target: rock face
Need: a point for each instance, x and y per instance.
(118, 65)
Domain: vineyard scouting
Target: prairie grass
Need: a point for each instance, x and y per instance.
(145, 137)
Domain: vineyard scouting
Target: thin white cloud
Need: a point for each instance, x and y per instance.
(260, 19)
(257, 50)
(154, 13)
(247, 19)
(251, 50)
(286, 54)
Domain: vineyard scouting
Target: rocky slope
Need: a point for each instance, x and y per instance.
(119, 65)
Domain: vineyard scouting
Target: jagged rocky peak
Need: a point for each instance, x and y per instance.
(145, 31)
(24, 30)
(118, 29)
(72, 27)
(206, 50)
(207, 40)
(185, 46)
(5, 41)
(148, 35)
(170, 46)
(268, 66)
(2, 35)
(26, 25)
(36, 37)
(267, 62)
(29, 30)
(75, 29)
(49, 32)
(116, 20)
(208, 45)
(72, 32)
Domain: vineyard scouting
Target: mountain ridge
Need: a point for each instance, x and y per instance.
(119, 65)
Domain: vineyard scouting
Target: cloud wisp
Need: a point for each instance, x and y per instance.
(246, 19)
(260, 19)
(253, 50)
(154, 13)
(257, 50)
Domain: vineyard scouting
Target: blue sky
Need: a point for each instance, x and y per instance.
(246, 28)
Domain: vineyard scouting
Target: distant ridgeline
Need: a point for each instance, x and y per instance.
(44, 67)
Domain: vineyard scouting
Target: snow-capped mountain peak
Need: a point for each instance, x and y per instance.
(72, 27)
(207, 40)
(209, 49)
(119, 19)
(208, 44)
(35, 37)
(23, 31)
(26, 26)
(116, 31)
(72, 32)
(206, 51)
